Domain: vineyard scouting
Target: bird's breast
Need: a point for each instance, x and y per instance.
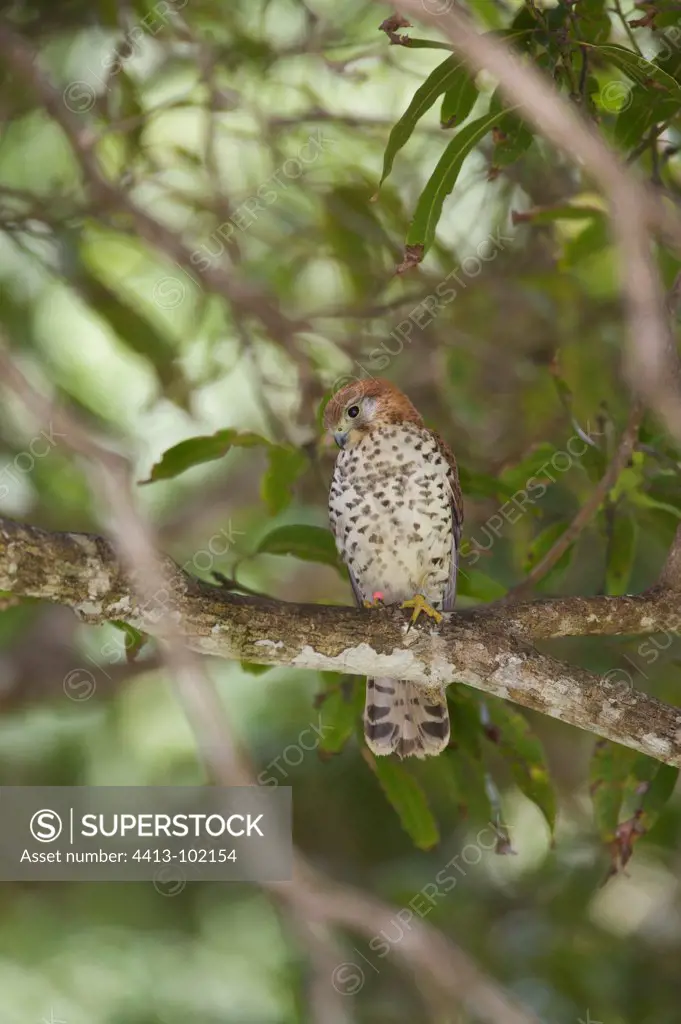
(390, 510)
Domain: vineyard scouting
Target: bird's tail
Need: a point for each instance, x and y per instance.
(405, 719)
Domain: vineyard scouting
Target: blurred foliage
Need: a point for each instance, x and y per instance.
(291, 143)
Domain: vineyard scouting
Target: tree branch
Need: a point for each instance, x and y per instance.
(486, 648)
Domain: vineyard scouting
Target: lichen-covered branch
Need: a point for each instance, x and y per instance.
(486, 648)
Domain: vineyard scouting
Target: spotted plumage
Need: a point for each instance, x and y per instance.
(396, 511)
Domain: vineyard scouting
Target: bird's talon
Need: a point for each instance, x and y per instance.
(419, 604)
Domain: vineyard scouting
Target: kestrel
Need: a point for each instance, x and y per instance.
(396, 510)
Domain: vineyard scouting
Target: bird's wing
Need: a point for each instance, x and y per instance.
(457, 520)
(337, 523)
(355, 589)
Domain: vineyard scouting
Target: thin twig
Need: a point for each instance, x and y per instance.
(627, 28)
(588, 510)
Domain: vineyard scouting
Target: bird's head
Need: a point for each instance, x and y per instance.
(362, 405)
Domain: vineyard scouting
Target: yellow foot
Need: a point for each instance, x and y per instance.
(419, 604)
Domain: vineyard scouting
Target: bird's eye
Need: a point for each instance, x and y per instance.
(353, 411)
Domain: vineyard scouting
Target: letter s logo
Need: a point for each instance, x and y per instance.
(45, 826)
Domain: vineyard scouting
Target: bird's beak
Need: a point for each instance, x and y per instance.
(340, 437)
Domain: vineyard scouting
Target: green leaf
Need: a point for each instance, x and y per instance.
(654, 98)
(488, 13)
(426, 44)
(637, 116)
(530, 474)
(443, 179)
(594, 24)
(645, 792)
(594, 462)
(543, 543)
(610, 766)
(438, 81)
(659, 793)
(459, 99)
(463, 756)
(286, 465)
(197, 450)
(525, 25)
(631, 479)
(466, 726)
(665, 19)
(621, 552)
(551, 21)
(647, 501)
(647, 789)
(254, 670)
(408, 799)
(629, 792)
(341, 709)
(483, 485)
(523, 752)
(640, 70)
(568, 212)
(134, 640)
(310, 543)
(467, 784)
(594, 238)
(473, 583)
(514, 139)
